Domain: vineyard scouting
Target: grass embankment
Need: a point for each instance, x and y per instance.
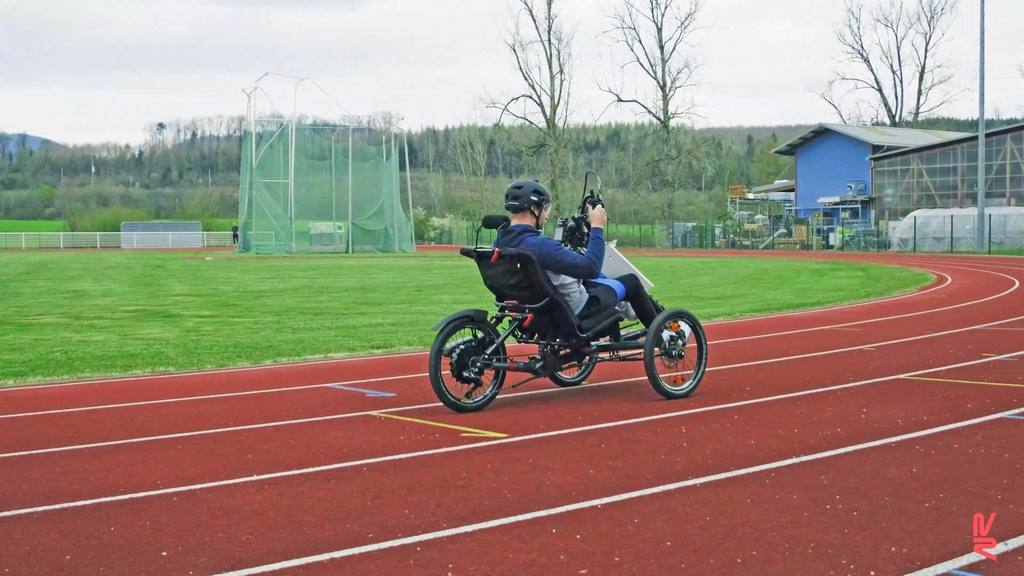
(33, 226)
(211, 225)
(80, 314)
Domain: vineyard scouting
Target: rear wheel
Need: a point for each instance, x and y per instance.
(455, 376)
(575, 376)
(675, 353)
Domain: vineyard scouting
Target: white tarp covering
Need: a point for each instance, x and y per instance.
(955, 229)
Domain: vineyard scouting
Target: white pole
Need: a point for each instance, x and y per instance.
(291, 181)
(408, 188)
(252, 179)
(398, 196)
(348, 245)
(252, 182)
(981, 135)
(334, 201)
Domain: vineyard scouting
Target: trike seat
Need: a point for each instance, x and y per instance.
(519, 285)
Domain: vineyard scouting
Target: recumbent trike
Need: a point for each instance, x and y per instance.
(469, 358)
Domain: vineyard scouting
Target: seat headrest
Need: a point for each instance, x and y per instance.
(496, 222)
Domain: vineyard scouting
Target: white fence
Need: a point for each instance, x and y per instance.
(94, 240)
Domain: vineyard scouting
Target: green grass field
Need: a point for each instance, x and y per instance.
(32, 226)
(73, 315)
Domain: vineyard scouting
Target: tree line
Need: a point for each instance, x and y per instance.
(458, 171)
(894, 70)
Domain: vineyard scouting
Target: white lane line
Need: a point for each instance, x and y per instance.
(1016, 285)
(209, 372)
(948, 282)
(510, 440)
(383, 379)
(214, 431)
(208, 396)
(608, 499)
(346, 415)
(288, 422)
(968, 559)
(863, 346)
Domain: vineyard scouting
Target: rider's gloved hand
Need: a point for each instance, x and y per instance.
(597, 216)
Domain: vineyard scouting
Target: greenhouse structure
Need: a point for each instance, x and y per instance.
(955, 230)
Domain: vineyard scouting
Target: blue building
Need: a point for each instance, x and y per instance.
(833, 167)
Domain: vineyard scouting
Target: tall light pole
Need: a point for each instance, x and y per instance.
(981, 137)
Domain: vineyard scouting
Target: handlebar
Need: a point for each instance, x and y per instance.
(574, 232)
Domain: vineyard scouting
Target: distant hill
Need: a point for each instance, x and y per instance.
(34, 143)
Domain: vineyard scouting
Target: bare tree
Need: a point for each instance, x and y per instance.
(656, 34)
(893, 63)
(542, 49)
(469, 156)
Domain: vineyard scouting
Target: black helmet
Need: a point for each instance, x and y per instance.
(523, 194)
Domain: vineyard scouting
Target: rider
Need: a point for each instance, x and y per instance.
(577, 278)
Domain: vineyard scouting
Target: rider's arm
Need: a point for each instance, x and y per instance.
(554, 257)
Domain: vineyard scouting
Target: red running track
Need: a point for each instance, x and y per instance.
(859, 439)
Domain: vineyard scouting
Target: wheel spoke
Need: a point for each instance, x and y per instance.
(679, 352)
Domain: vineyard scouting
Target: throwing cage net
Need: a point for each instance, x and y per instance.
(313, 186)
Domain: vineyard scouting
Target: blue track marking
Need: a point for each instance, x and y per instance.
(1016, 417)
(369, 393)
(962, 573)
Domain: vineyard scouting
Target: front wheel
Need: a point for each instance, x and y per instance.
(455, 376)
(675, 353)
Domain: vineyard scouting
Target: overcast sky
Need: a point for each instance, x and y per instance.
(82, 71)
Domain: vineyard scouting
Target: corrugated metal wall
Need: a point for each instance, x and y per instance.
(824, 166)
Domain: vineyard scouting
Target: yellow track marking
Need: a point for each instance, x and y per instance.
(872, 349)
(471, 432)
(962, 381)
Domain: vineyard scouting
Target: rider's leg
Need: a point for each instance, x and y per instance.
(601, 298)
(645, 307)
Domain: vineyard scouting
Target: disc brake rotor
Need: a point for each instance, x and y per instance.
(673, 344)
(463, 353)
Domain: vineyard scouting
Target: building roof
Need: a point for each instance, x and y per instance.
(874, 135)
(780, 186)
(955, 140)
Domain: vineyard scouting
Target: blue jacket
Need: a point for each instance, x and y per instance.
(552, 256)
